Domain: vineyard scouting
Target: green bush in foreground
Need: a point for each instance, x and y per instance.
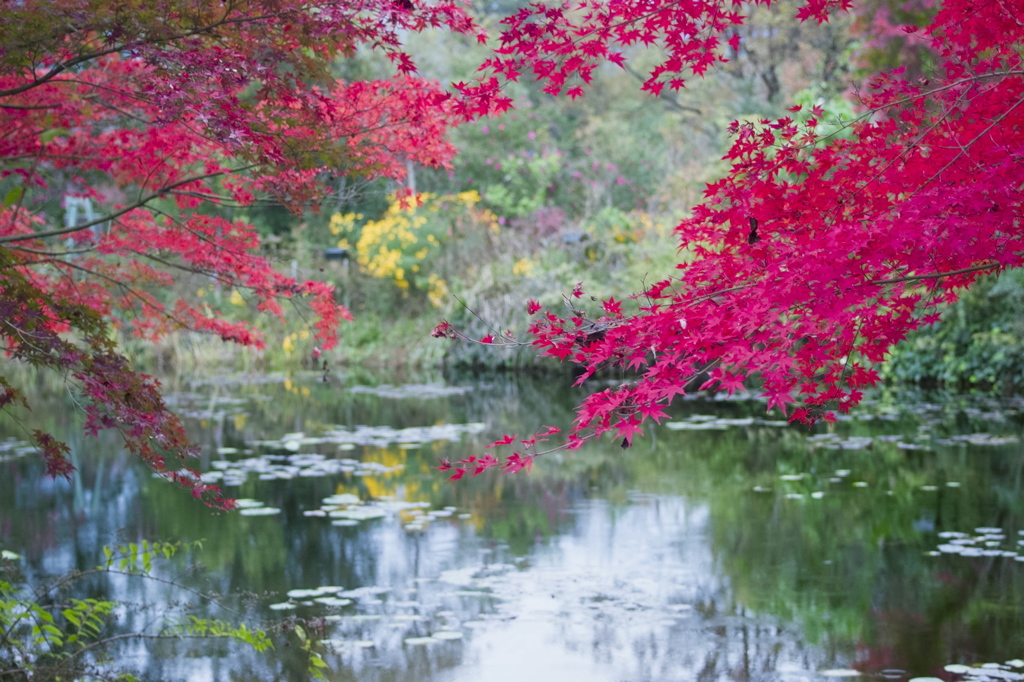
(47, 634)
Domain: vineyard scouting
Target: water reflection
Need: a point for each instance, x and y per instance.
(725, 546)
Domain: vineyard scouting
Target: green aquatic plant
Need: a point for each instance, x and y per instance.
(48, 634)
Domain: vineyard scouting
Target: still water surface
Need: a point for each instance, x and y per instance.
(725, 545)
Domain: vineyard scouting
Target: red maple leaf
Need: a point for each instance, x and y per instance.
(504, 440)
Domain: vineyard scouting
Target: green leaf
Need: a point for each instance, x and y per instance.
(49, 135)
(12, 197)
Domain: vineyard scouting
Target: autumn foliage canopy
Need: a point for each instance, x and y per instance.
(810, 259)
(154, 111)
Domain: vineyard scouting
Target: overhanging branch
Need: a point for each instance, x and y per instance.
(116, 214)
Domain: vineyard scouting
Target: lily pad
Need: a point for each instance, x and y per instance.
(699, 426)
(421, 641)
(330, 589)
(333, 601)
(447, 635)
(259, 511)
(359, 513)
(343, 498)
(421, 391)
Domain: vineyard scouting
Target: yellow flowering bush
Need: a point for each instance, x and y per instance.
(407, 244)
(288, 343)
(522, 267)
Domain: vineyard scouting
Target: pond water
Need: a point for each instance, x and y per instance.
(724, 545)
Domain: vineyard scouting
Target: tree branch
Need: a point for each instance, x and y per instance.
(937, 275)
(116, 214)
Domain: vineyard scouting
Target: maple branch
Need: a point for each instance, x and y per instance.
(895, 280)
(936, 275)
(100, 86)
(995, 122)
(28, 107)
(905, 152)
(60, 68)
(224, 200)
(729, 290)
(486, 324)
(51, 254)
(181, 224)
(89, 56)
(673, 102)
(212, 274)
(633, 20)
(871, 111)
(146, 303)
(117, 214)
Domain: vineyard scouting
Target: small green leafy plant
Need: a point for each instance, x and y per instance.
(48, 634)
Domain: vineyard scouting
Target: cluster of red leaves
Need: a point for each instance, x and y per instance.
(513, 463)
(154, 113)
(117, 397)
(561, 44)
(814, 255)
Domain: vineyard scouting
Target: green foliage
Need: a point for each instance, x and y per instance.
(524, 186)
(613, 252)
(978, 342)
(316, 664)
(48, 634)
(138, 557)
(836, 112)
(86, 617)
(193, 626)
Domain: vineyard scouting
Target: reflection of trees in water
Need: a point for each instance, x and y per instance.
(848, 568)
(852, 567)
